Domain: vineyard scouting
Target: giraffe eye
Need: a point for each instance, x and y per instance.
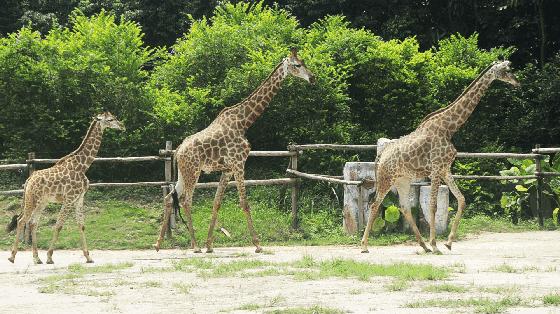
(297, 65)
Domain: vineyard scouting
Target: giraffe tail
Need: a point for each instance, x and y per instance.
(13, 223)
(176, 206)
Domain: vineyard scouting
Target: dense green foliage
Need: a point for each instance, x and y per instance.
(68, 64)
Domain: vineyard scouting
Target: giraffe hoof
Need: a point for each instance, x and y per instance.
(427, 250)
(365, 251)
(90, 261)
(156, 246)
(38, 261)
(258, 249)
(209, 250)
(50, 261)
(448, 246)
(197, 250)
(437, 252)
(11, 259)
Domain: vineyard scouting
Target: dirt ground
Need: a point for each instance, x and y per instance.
(525, 263)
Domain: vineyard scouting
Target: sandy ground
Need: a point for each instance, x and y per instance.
(141, 289)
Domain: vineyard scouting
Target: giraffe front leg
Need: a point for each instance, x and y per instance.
(33, 226)
(382, 189)
(433, 207)
(239, 178)
(19, 230)
(80, 219)
(461, 206)
(215, 208)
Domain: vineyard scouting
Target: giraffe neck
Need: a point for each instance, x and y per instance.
(453, 117)
(82, 158)
(245, 113)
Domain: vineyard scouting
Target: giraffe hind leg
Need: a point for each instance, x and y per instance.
(56, 230)
(23, 219)
(33, 224)
(215, 208)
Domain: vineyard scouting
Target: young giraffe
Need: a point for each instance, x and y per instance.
(428, 152)
(222, 146)
(65, 183)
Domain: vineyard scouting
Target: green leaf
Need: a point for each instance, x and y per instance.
(392, 214)
(521, 188)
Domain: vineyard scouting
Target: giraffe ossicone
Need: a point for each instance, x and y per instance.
(65, 182)
(429, 152)
(223, 146)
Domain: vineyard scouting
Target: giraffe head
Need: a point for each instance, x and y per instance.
(296, 67)
(108, 120)
(502, 71)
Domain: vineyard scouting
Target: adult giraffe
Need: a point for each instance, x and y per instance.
(429, 152)
(65, 183)
(222, 146)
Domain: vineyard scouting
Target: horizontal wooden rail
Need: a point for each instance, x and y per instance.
(548, 150)
(101, 159)
(13, 167)
(331, 147)
(201, 185)
(496, 155)
(253, 153)
(472, 177)
(321, 177)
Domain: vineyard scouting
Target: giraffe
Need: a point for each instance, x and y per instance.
(222, 146)
(429, 152)
(65, 182)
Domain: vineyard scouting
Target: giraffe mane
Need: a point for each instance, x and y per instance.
(254, 91)
(90, 129)
(426, 118)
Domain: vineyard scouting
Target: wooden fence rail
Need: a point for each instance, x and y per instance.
(293, 179)
(165, 155)
(536, 155)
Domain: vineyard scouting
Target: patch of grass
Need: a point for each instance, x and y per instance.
(106, 268)
(552, 299)
(459, 267)
(508, 290)
(255, 306)
(504, 268)
(151, 284)
(192, 263)
(250, 307)
(363, 271)
(397, 285)
(233, 268)
(446, 287)
(480, 223)
(183, 287)
(355, 291)
(316, 309)
(481, 305)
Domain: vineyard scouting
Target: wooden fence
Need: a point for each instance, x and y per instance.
(165, 156)
(293, 152)
(537, 155)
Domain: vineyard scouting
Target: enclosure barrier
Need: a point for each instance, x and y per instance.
(165, 155)
(294, 175)
(537, 154)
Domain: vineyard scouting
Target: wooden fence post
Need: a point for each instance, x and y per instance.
(30, 169)
(539, 185)
(295, 191)
(168, 178)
